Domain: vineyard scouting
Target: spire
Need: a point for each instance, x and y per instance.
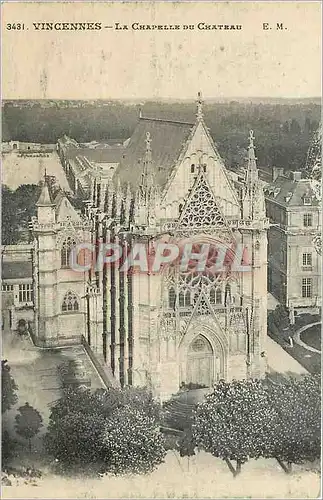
(118, 196)
(199, 110)
(252, 171)
(128, 195)
(254, 201)
(148, 146)
(251, 152)
(127, 202)
(147, 176)
(44, 199)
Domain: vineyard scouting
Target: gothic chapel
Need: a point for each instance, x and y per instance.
(169, 328)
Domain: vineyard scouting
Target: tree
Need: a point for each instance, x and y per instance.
(117, 429)
(28, 422)
(76, 439)
(279, 318)
(76, 424)
(132, 441)
(8, 447)
(235, 422)
(297, 430)
(18, 207)
(10, 224)
(8, 388)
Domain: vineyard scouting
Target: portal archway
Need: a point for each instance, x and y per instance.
(203, 348)
(200, 363)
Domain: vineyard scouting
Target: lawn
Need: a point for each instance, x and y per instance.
(312, 336)
(203, 476)
(311, 361)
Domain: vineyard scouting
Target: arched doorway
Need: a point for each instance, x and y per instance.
(200, 362)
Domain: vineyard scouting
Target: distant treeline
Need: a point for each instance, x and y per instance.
(283, 131)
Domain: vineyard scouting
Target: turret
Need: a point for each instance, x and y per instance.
(45, 207)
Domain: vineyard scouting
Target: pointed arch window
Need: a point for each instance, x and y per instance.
(218, 296)
(184, 298)
(67, 246)
(187, 298)
(70, 302)
(171, 298)
(227, 294)
(212, 296)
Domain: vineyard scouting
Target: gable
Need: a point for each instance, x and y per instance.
(201, 208)
(65, 210)
(203, 309)
(201, 149)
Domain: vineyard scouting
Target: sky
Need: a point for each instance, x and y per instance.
(142, 64)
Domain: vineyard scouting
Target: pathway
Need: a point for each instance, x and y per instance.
(280, 361)
(297, 337)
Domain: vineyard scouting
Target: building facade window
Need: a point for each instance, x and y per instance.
(67, 246)
(307, 287)
(26, 293)
(308, 220)
(307, 201)
(192, 168)
(70, 302)
(307, 259)
(7, 288)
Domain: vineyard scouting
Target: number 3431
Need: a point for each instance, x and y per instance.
(15, 26)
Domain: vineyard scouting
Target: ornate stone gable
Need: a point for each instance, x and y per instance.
(200, 149)
(201, 208)
(203, 311)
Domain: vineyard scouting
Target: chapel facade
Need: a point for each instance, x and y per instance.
(168, 328)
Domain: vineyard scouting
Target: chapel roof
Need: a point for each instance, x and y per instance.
(111, 154)
(167, 141)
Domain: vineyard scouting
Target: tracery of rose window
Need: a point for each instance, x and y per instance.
(185, 286)
(187, 290)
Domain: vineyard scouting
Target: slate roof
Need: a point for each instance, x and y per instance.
(290, 193)
(167, 141)
(104, 155)
(15, 270)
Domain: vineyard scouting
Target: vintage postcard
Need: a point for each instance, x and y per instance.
(161, 249)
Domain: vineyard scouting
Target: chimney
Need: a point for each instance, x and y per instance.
(277, 172)
(296, 176)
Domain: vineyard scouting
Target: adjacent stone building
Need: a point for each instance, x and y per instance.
(294, 251)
